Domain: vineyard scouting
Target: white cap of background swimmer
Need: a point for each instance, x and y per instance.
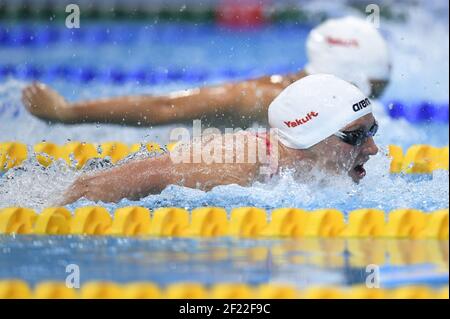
(350, 48)
(314, 108)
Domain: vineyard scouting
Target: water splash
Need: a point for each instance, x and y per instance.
(32, 185)
(35, 186)
(378, 189)
(416, 76)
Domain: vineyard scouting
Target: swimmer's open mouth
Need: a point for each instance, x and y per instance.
(360, 170)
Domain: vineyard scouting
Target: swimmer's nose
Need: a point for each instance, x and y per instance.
(370, 148)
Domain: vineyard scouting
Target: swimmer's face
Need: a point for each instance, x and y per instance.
(338, 157)
(377, 88)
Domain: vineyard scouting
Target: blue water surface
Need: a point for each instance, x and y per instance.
(419, 49)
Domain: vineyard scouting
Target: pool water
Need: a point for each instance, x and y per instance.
(302, 263)
(420, 54)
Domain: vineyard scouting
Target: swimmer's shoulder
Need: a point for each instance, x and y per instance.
(280, 80)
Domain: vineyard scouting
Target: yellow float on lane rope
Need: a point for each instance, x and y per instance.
(244, 222)
(247, 222)
(17, 220)
(13, 288)
(53, 221)
(90, 220)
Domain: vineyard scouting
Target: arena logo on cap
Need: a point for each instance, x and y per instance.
(361, 105)
(302, 120)
(342, 42)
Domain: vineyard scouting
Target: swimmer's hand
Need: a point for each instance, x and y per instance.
(97, 187)
(45, 103)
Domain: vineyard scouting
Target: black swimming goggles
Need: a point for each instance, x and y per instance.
(357, 137)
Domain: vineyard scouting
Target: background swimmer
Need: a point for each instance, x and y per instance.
(338, 140)
(350, 48)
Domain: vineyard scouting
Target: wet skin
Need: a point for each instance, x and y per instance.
(238, 103)
(150, 176)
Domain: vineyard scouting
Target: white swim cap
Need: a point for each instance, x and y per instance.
(350, 48)
(314, 108)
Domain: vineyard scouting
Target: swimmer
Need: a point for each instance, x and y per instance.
(349, 48)
(323, 123)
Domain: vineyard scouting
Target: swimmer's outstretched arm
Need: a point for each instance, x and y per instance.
(248, 98)
(137, 179)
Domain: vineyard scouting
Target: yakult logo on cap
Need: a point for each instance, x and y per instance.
(302, 120)
(342, 42)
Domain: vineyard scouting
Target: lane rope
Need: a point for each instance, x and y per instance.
(242, 222)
